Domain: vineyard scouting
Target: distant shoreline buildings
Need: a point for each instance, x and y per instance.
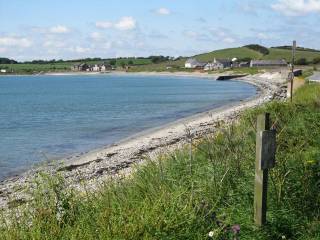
(219, 64)
(84, 67)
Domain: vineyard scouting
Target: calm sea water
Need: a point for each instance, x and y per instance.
(50, 117)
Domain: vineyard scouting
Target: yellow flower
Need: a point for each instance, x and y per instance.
(311, 161)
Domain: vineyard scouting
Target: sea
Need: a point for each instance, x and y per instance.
(45, 118)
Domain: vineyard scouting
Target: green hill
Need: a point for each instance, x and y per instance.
(240, 53)
(286, 54)
(244, 52)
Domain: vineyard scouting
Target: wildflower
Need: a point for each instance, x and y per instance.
(213, 233)
(311, 161)
(283, 237)
(235, 228)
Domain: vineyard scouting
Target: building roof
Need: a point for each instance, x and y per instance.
(195, 62)
(269, 62)
(223, 61)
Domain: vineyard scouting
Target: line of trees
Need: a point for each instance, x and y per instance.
(258, 48)
(7, 61)
(298, 48)
(304, 61)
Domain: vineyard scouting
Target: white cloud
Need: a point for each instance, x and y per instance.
(229, 40)
(163, 11)
(296, 7)
(191, 34)
(263, 36)
(15, 42)
(125, 23)
(104, 24)
(55, 44)
(3, 50)
(59, 29)
(96, 36)
(79, 49)
(196, 35)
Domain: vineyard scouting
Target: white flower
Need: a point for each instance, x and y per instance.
(211, 234)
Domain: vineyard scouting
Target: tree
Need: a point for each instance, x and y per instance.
(258, 48)
(123, 64)
(302, 61)
(158, 59)
(130, 62)
(7, 61)
(245, 59)
(113, 62)
(316, 60)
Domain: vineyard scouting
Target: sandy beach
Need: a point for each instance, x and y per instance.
(98, 165)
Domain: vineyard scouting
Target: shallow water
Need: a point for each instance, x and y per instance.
(50, 117)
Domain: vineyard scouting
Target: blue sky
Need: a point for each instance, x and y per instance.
(47, 29)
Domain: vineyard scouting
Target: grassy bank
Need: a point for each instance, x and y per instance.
(187, 194)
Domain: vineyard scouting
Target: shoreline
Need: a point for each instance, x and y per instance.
(97, 165)
(123, 73)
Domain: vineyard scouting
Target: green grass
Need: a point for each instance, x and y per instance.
(145, 65)
(183, 197)
(30, 68)
(229, 53)
(36, 68)
(286, 54)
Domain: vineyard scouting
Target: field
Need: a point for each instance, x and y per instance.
(29, 68)
(145, 64)
(229, 53)
(286, 54)
(205, 188)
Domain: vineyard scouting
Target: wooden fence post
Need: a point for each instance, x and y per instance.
(265, 159)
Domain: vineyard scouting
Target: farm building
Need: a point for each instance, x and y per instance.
(193, 63)
(218, 64)
(269, 63)
(244, 64)
(225, 63)
(80, 67)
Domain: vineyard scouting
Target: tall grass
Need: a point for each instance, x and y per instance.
(169, 198)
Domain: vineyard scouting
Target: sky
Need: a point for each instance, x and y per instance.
(69, 29)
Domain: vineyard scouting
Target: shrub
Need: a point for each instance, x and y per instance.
(301, 61)
(316, 60)
(258, 48)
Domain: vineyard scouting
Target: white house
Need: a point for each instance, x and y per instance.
(95, 68)
(193, 63)
(3, 70)
(209, 67)
(103, 68)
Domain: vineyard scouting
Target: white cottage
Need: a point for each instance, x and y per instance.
(95, 68)
(193, 63)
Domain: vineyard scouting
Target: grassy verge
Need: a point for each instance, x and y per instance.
(187, 194)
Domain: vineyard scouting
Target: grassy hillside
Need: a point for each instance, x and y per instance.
(241, 52)
(27, 68)
(244, 52)
(286, 54)
(229, 53)
(147, 65)
(183, 197)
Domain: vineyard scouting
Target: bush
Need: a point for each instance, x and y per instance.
(301, 61)
(258, 48)
(316, 60)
